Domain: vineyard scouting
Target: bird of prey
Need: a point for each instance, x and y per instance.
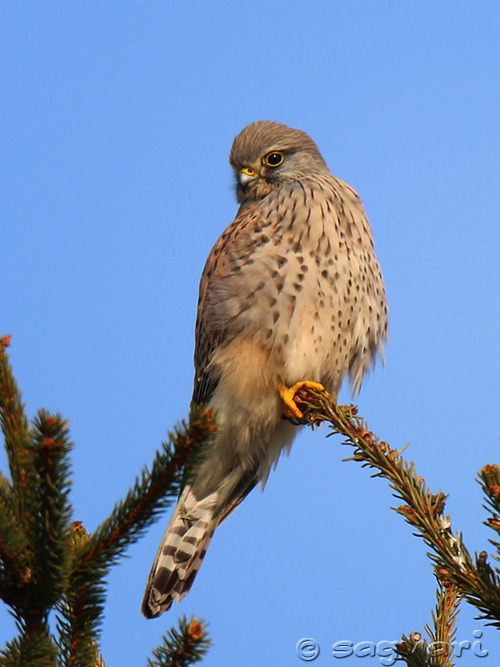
(292, 295)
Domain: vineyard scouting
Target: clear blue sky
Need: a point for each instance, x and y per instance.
(117, 120)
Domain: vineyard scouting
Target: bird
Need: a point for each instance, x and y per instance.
(291, 296)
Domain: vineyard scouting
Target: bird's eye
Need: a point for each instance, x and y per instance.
(272, 159)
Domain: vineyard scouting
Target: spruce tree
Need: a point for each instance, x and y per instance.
(49, 562)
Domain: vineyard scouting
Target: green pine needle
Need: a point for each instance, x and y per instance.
(182, 647)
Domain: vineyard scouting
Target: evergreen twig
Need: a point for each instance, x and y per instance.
(14, 554)
(34, 649)
(489, 479)
(443, 632)
(51, 512)
(14, 422)
(439, 650)
(183, 647)
(422, 509)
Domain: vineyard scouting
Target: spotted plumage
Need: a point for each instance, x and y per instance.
(291, 291)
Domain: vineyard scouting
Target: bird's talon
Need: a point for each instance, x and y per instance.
(290, 409)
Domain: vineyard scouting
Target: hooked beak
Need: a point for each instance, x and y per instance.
(246, 177)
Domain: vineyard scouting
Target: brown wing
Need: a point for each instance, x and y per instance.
(207, 336)
(226, 256)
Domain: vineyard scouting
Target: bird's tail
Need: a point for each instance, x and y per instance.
(188, 537)
(180, 553)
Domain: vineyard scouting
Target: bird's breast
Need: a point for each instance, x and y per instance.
(306, 283)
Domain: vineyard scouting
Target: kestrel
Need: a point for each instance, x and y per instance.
(291, 293)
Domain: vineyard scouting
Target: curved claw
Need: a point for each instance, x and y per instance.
(290, 409)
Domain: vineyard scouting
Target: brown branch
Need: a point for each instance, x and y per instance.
(422, 509)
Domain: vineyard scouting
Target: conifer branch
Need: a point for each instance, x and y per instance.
(14, 569)
(183, 647)
(34, 650)
(489, 479)
(415, 651)
(35, 507)
(47, 563)
(94, 554)
(443, 632)
(439, 650)
(154, 491)
(422, 509)
(13, 420)
(51, 510)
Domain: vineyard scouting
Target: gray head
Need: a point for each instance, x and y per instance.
(265, 155)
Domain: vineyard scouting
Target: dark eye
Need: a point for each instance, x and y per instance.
(273, 159)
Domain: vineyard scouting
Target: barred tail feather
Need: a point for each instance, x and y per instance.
(181, 552)
(189, 534)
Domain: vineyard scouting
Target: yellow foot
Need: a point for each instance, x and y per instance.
(287, 394)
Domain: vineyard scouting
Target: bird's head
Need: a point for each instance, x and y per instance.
(266, 155)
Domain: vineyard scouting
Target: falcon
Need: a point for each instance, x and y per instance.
(292, 295)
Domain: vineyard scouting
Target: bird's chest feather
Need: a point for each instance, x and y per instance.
(303, 281)
(291, 278)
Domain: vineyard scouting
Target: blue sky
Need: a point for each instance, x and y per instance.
(117, 120)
